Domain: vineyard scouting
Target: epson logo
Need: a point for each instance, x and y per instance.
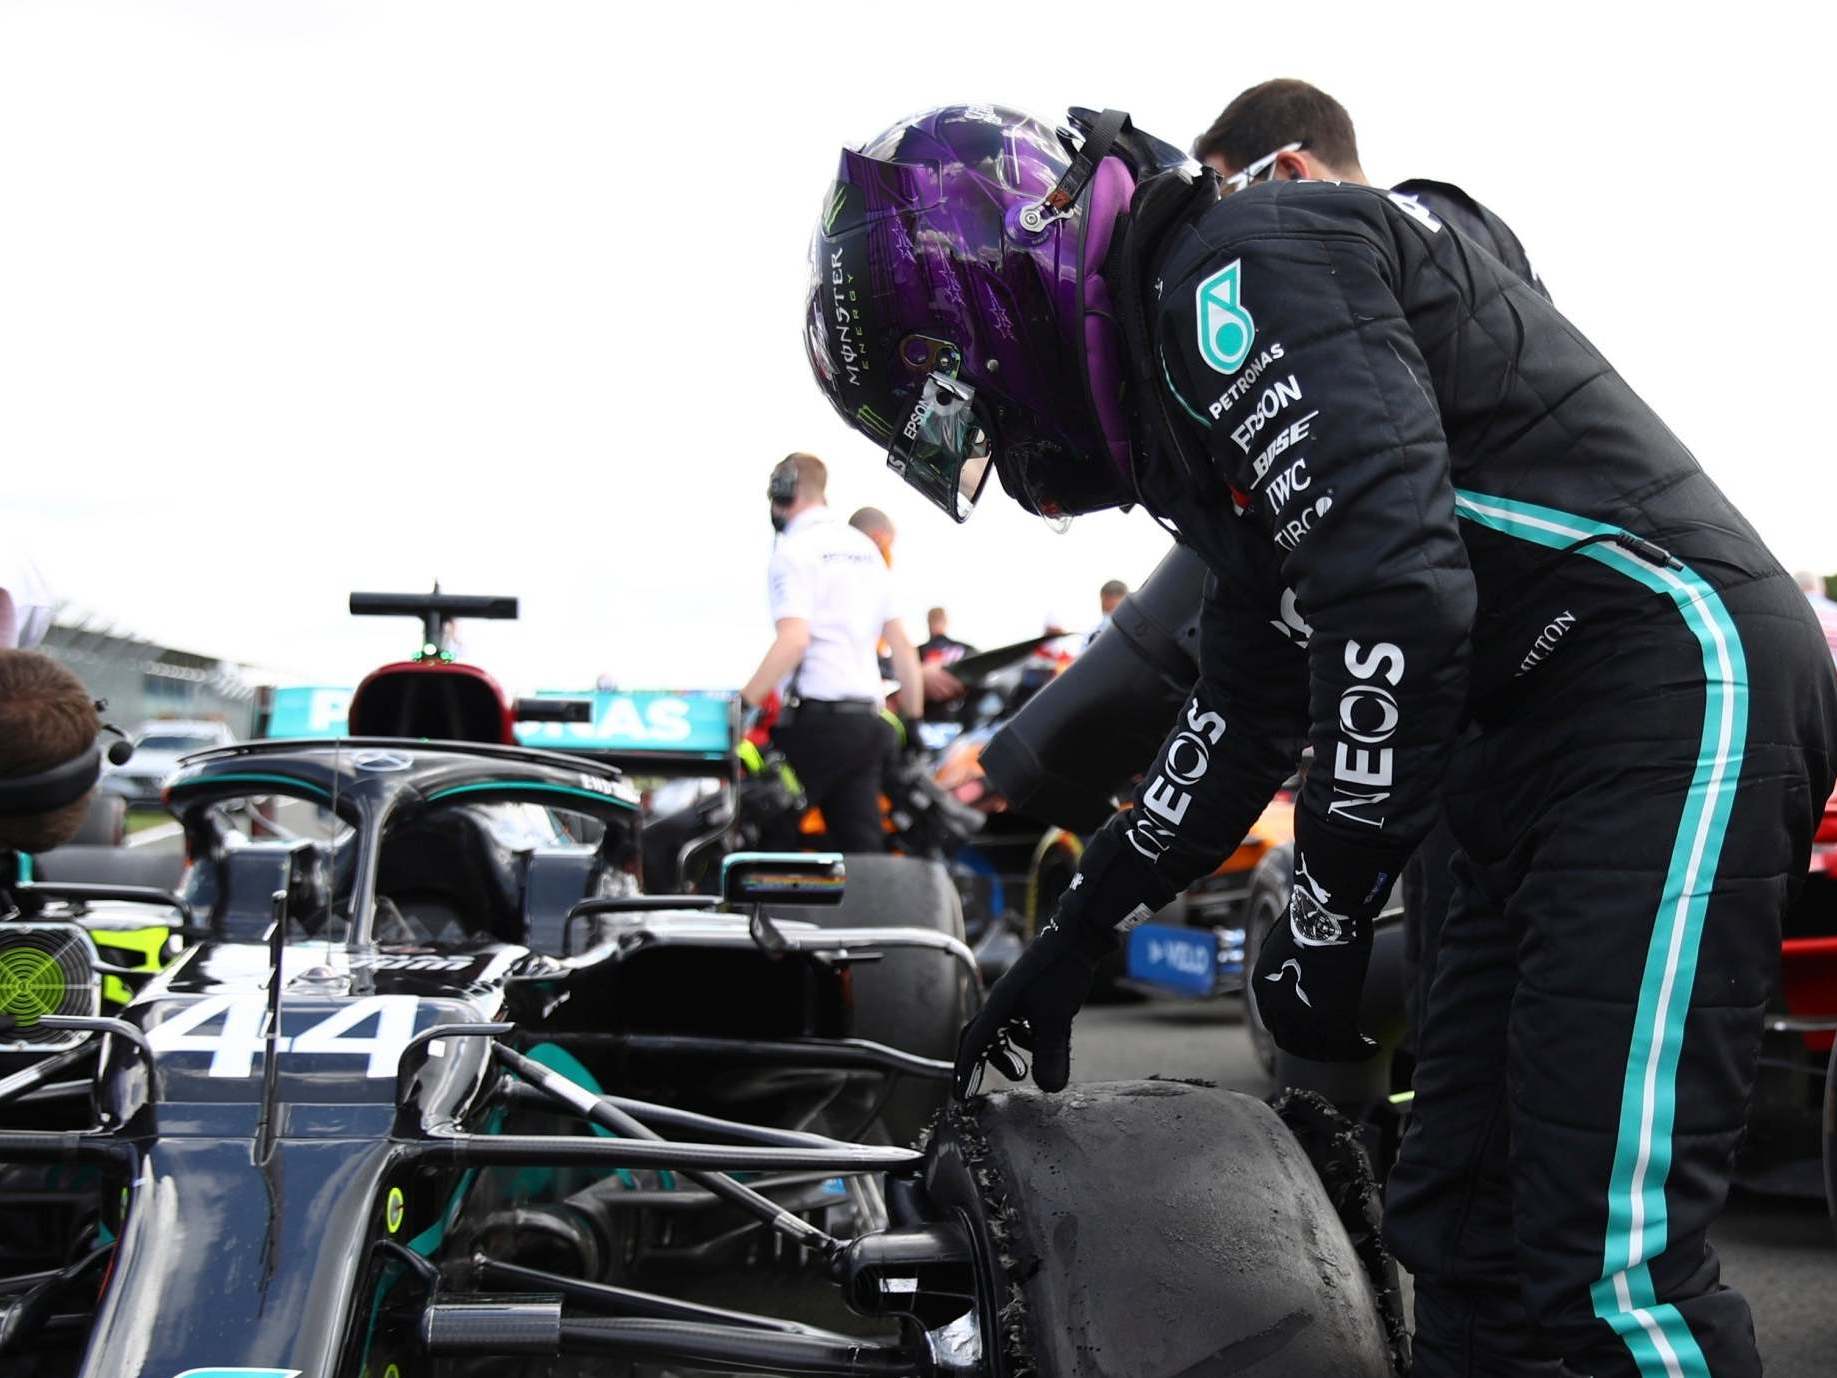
(1274, 399)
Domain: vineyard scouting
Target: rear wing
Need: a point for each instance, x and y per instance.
(647, 732)
(644, 732)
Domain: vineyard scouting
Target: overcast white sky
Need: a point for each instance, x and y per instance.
(301, 297)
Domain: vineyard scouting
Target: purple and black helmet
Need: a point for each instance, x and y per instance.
(958, 315)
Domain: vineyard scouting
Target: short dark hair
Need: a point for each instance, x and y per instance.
(46, 718)
(1274, 113)
(1113, 588)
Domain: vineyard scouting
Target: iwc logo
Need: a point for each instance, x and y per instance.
(1226, 331)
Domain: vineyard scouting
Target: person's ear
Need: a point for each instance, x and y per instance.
(1298, 167)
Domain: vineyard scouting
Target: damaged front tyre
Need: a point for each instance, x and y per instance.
(1158, 1229)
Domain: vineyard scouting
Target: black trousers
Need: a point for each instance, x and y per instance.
(838, 757)
(1625, 850)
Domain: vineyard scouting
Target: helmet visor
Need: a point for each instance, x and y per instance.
(940, 448)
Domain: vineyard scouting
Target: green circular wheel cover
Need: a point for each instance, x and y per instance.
(45, 969)
(31, 984)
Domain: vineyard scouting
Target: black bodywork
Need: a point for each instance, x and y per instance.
(368, 1098)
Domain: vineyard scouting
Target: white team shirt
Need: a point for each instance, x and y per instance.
(832, 576)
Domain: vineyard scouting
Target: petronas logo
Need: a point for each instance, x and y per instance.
(1226, 330)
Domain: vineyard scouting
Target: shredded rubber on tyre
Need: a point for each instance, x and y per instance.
(1334, 1147)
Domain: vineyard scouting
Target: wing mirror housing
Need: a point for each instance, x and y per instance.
(750, 879)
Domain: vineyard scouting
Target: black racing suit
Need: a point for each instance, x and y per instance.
(1428, 879)
(1453, 550)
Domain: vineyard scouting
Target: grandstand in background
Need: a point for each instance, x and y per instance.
(143, 680)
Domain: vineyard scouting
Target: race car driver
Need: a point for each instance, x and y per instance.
(1336, 398)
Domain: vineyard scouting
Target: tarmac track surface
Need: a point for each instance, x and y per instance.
(1781, 1253)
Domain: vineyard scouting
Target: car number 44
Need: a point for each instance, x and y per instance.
(341, 1033)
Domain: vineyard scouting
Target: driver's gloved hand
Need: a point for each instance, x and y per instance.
(1311, 969)
(1032, 1005)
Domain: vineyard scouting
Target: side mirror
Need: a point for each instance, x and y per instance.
(755, 878)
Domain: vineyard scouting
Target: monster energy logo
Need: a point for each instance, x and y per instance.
(874, 421)
(846, 328)
(837, 201)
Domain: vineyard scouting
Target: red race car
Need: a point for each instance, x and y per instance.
(1792, 1129)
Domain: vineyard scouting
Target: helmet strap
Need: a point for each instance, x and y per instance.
(1160, 205)
(1058, 203)
(1142, 152)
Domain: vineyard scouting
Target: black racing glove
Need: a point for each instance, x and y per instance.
(1311, 969)
(1032, 1005)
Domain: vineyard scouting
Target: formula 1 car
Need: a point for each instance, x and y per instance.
(407, 1102)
